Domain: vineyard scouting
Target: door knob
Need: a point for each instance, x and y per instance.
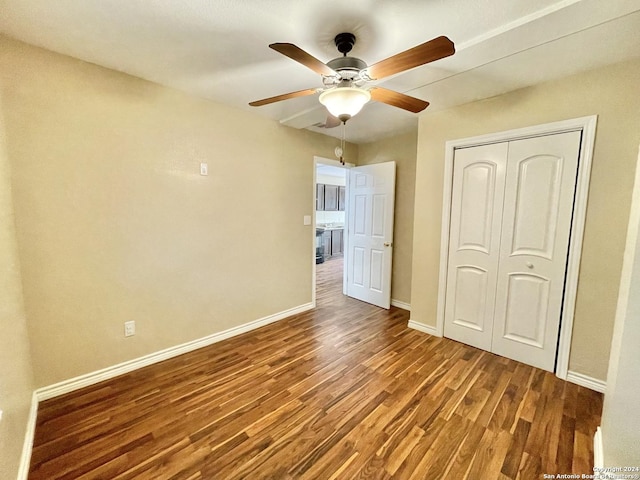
(387, 244)
(529, 265)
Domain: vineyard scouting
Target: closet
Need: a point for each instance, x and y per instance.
(510, 225)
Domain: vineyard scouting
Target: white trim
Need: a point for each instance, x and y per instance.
(588, 127)
(27, 447)
(313, 231)
(598, 449)
(444, 235)
(587, 381)
(399, 304)
(421, 327)
(92, 378)
(575, 245)
(345, 233)
(519, 22)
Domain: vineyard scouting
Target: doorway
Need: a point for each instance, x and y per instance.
(357, 227)
(330, 220)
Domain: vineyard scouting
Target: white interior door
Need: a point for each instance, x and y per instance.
(511, 211)
(536, 225)
(370, 232)
(474, 243)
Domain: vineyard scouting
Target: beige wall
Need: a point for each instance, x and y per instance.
(16, 380)
(114, 222)
(611, 93)
(402, 149)
(620, 414)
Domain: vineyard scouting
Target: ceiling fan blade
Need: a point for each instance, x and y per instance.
(300, 56)
(430, 51)
(285, 96)
(331, 122)
(398, 99)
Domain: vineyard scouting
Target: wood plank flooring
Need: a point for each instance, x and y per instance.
(345, 391)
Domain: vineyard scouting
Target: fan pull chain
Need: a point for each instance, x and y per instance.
(344, 128)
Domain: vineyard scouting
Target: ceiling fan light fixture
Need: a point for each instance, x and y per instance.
(344, 102)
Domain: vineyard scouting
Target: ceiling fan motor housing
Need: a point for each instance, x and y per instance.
(343, 65)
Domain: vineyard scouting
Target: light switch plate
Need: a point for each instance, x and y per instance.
(307, 220)
(204, 169)
(129, 328)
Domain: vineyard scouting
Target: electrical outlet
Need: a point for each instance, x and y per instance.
(129, 328)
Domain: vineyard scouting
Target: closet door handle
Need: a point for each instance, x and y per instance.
(529, 265)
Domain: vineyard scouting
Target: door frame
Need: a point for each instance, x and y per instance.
(587, 125)
(347, 167)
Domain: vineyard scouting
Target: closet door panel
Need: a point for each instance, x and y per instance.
(476, 214)
(537, 198)
(536, 225)
(524, 324)
(470, 298)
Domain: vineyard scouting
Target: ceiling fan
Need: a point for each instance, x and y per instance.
(346, 79)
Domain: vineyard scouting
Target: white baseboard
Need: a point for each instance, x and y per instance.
(27, 447)
(92, 378)
(399, 304)
(598, 450)
(587, 381)
(421, 327)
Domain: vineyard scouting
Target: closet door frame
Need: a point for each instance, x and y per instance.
(586, 125)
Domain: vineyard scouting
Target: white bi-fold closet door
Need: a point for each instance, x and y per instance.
(511, 211)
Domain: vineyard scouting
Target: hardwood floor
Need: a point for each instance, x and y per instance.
(344, 391)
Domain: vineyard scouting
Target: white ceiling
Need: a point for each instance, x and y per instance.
(218, 49)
